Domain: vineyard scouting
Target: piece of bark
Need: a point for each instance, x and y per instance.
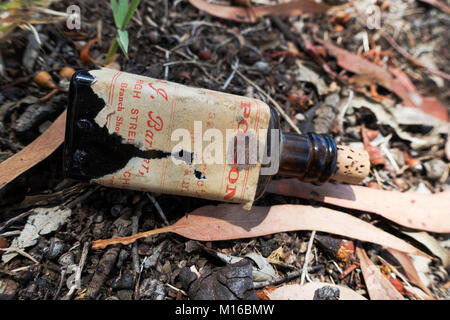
(107, 261)
(232, 282)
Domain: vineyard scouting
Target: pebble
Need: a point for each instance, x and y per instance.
(115, 210)
(262, 66)
(55, 249)
(66, 259)
(327, 293)
(126, 281)
(435, 169)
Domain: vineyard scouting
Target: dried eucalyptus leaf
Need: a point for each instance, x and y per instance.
(43, 221)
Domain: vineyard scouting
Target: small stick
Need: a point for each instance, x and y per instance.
(282, 112)
(134, 230)
(77, 282)
(21, 252)
(287, 277)
(308, 253)
(63, 275)
(158, 208)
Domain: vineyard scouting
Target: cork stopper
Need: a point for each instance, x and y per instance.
(352, 165)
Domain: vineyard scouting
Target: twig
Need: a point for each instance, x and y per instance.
(227, 82)
(287, 277)
(283, 114)
(134, 230)
(344, 109)
(107, 261)
(308, 253)
(21, 252)
(16, 218)
(158, 208)
(79, 199)
(77, 281)
(63, 275)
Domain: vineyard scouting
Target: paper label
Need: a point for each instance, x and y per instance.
(151, 114)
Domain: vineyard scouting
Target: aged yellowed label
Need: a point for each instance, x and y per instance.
(181, 125)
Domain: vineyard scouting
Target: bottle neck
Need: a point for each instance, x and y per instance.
(310, 157)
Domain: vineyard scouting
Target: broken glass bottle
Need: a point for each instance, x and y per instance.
(130, 131)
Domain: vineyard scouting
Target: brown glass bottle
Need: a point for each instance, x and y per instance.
(95, 152)
(310, 157)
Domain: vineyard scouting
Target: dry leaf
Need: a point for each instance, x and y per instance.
(411, 272)
(226, 222)
(392, 79)
(306, 292)
(33, 153)
(250, 14)
(433, 245)
(378, 286)
(43, 221)
(409, 209)
(396, 116)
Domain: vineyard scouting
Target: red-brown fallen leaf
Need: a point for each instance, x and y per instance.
(227, 222)
(33, 153)
(375, 155)
(306, 292)
(392, 79)
(85, 55)
(378, 286)
(264, 293)
(250, 14)
(409, 209)
(408, 266)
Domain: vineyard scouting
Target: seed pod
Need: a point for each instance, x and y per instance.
(66, 72)
(44, 80)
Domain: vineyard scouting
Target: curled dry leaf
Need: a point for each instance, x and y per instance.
(306, 292)
(392, 79)
(227, 222)
(417, 211)
(406, 263)
(250, 14)
(378, 286)
(433, 245)
(33, 153)
(375, 155)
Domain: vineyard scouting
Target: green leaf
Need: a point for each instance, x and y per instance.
(119, 11)
(123, 41)
(130, 13)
